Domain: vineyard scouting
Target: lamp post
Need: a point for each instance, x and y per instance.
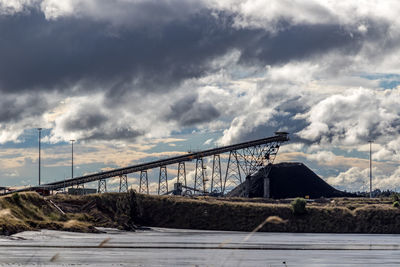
(40, 134)
(72, 158)
(370, 167)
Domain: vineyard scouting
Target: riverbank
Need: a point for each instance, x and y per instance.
(128, 211)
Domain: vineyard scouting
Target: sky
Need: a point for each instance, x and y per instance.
(138, 80)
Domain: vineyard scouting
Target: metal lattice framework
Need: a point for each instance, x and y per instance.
(248, 161)
(252, 158)
(123, 183)
(163, 181)
(181, 177)
(232, 175)
(102, 186)
(143, 183)
(244, 159)
(200, 176)
(216, 175)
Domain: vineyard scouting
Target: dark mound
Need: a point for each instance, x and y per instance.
(289, 180)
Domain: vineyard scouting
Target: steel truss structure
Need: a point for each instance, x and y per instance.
(143, 183)
(123, 183)
(163, 181)
(181, 177)
(216, 176)
(102, 186)
(200, 176)
(232, 176)
(244, 159)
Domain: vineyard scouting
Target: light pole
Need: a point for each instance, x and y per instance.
(72, 158)
(370, 167)
(40, 134)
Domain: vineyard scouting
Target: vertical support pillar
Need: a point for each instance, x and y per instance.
(123, 183)
(144, 183)
(181, 173)
(163, 181)
(199, 177)
(267, 170)
(102, 186)
(370, 168)
(40, 137)
(216, 176)
(232, 176)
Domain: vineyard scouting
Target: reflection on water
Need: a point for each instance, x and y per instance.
(172, 247)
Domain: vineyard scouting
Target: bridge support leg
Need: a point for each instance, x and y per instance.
(200, 176)
(181, 173)
(267, 169)
(102, 186)
(163, 181)
(216, 177)
(123, 183)
(232, 176)
(143, 183)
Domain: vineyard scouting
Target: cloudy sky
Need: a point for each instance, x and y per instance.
(136, 80)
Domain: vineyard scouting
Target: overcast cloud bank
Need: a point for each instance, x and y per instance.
(121, 71)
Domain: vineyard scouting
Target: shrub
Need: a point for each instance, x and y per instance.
(395, 197)
(299, 206)
(396, 204)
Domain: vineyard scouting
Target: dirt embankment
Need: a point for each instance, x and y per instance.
(29, 211)
(126, 211)
(339, 216)
(236, 214)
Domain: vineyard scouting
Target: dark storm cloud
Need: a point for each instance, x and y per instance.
(42, 54)
(98, 126)
(38, 54)
(124, 133)
(85, 119)
(188, 111)
(299, 42)
(14, 107)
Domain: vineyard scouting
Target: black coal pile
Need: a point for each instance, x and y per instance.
(288, 180)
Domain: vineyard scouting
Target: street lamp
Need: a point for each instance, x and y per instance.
(72, 158)
(40, 134)
(370, 167)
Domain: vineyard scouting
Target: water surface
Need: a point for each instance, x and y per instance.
(173, 247)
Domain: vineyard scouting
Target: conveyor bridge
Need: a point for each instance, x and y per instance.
(244, 159)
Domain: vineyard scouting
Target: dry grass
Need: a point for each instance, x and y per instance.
(30, 211)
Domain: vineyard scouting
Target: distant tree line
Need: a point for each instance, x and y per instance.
(379, 193)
